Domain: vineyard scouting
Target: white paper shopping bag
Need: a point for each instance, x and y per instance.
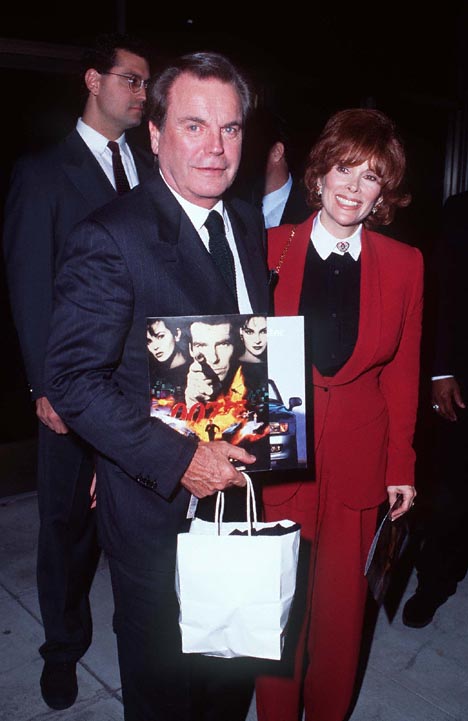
(235, 591)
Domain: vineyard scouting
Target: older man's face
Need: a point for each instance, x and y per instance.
(199, 147)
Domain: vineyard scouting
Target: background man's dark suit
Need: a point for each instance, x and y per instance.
(442, 560)
(450, 263)
(138, 257)
(269, 158)
(50, 192)
(296, 209)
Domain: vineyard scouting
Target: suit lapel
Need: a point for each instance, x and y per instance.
(251, 263)
(296, 209)
(202, 273)
(294, 247)
(188, 261)
(370, 314)
(85, 173)
(191, 265)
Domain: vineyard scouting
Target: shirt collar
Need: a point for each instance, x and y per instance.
(196, 213)
(96, 142)
(277, 196)
(325, 243)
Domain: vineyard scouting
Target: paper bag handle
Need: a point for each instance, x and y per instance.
(251, 507)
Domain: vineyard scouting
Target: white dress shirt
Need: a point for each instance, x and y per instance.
(97, 144)
(273, 204)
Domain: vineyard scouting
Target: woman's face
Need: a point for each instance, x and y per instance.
(254, 335)
(348, 196)
(161, 342)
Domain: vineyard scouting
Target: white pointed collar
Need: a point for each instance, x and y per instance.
(325, 243)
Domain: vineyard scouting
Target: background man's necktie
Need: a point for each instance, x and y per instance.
(121, 181)
(220, 250)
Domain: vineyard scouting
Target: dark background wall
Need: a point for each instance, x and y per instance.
(306, 65)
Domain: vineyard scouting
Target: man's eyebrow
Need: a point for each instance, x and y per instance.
(192, 119)
(202, 121)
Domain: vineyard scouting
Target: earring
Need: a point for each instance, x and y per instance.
(319, 190)
(376, 206)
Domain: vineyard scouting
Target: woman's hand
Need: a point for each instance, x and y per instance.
(408, 493)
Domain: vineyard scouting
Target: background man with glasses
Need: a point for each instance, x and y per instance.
(50, 192)
(135, 82)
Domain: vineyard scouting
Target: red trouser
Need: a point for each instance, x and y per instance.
(329, 645)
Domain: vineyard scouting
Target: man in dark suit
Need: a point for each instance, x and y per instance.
(272, 179)
(442, 559)
(50, 192)
(148, 255)
(284, 196)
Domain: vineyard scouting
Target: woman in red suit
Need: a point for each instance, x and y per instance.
(360, 293)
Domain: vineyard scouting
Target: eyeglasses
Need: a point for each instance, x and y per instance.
(135, 83)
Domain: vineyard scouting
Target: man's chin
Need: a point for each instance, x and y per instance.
(212, 187)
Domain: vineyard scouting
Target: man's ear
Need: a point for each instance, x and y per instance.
(154, 137)
(277, 151)
(93, 81)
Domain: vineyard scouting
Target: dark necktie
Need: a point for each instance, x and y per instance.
(121, 181)
(220, 250)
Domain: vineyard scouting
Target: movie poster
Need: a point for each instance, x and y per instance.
(238, 378)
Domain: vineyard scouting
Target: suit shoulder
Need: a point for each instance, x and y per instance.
(44, 161)
(47, 154)
(407, 259)
(121, 210)
(143, 155)
(457, 201)
(280, 233)
(297, 209)
(245, 210)
(393, 246)
(455, 219)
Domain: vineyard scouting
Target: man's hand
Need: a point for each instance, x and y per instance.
(211, 469)
(408, 493)
(446, 397)
(49, 417)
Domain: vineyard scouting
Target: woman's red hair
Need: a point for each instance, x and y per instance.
(354, 136)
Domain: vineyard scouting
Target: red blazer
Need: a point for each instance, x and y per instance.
(364, 416)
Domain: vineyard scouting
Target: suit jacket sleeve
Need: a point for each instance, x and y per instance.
(449, 274)
(29, 262)
(400, 378)
(92, 317)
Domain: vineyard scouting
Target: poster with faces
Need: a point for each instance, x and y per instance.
(238, 378)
